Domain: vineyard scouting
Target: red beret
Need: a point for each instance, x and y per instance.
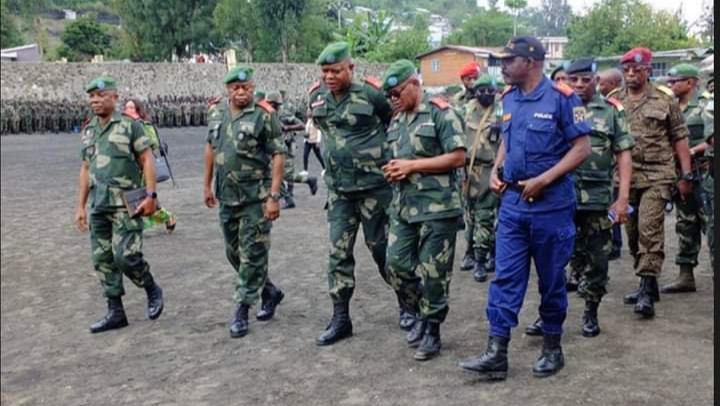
(638, 55)
(471, 68)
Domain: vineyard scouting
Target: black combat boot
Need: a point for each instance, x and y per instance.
(490, 264)
(407, 316)
(590, 326)
(632, 297)
(430, 344)
(573, 281)
(239, 323)
(288, 202)
(480, 270)
(551, 359)
(535, 329)
(155, 303)
(339, 327)
(270, 296)
(645, 304)
(114, 318)
(468, 261)
(312, 183)
(493, 363)
(415, 335)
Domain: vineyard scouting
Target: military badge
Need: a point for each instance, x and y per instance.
(579, 114)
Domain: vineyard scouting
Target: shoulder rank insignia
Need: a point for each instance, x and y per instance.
(373, 81)
(665, 90)
(441, 103)
(563, 88)
(616, 103)
(266, 106)
(315, 86)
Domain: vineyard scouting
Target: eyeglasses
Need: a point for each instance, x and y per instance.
(485, 90)
(396, 92)
(671, 82)
(583, 79)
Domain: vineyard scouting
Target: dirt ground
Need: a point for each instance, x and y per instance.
(50, 296)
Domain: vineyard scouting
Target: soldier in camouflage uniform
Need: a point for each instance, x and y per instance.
(352, 115)
(655, 121)
(709, 179)
(469, 73)
(244, 152)
(427, 140)
(480, 202)
(290, 124)
(115, 155)
(691, 220)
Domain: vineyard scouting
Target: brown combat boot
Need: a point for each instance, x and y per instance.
(684, 283)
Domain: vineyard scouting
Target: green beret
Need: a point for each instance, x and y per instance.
(684, 70)
(101, 83)
(334, 53)
(238, 74)
(486, 80)
(397, 73)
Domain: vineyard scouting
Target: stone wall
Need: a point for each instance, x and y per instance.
(57, 81)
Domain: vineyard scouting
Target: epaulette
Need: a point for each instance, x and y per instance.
(505, 91)
(215, 100)
(563, 88)
(315, 86)
(373, 81)
(615, 102)
(665, 90)
(612, 92)
(266, 106)
(85, 123)
(441, 103)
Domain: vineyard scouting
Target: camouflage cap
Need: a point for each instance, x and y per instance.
(486, 80)
(274, 97)
(101, 83)
(684, 71)
(397, 73)
(239, 74)
(334, 53)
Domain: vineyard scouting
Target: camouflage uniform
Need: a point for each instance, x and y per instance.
(355, 151)
(243, 147)
(656, 123)
(161, 215)
(289, 177)
(593, 187)
(460, 99)
(115, 237)
(709, 179)
(424, 209)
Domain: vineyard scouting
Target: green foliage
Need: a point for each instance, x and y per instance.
(27, 8)
(238, 24)
(612, 27)
(10, 35)
(282, 18)
(403, 44)
(487, 28)
(84, 38)
(551, 19)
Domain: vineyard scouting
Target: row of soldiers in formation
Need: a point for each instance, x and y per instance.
(393, 160)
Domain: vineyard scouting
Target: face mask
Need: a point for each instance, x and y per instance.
(486, 99)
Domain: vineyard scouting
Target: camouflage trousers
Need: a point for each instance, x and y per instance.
(116, 241)
(709, 200)
(646, 229)
(593, 244)
(690, 225)
(161, 216)
(346, 212)
(480, 215)
(247, 247)
(289, 175)
(429, 248)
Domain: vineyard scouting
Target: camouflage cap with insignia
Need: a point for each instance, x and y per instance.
(486, 80)
(683, 71)
(397, 73)
(239, 74)
(334, 53)
(101, 83)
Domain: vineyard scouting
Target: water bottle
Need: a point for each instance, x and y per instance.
(612, 214)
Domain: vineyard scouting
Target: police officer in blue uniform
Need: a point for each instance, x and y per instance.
(544, 138)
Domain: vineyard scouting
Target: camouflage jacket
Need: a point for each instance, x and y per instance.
(433, 129)
(709, 121)
(112, 153)
(479, 175)
(656, 123)
(609, 136)
(243, 147)
(354, 130)
(461, 98)
(694, 120)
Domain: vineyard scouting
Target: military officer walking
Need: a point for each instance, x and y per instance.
(427, 142)
(116, 154)
(244, 153)
(352, 115)
(544, 139)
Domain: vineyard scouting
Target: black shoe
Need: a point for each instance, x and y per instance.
(490, 264)
(590, 326)
(312, 182)
(632, 297)
(468, 261)
(551, 359)
(114, 318)
(271, 297)
(479, 271)
(239, 323)
(492, 364)
(415, 335)
(573, 281)
(461, 223)
(155, 304)
(614, 254)
(407, 319)
(430, 345)
(340, 326)
(645, 304)
(535, 329)
(288, 203)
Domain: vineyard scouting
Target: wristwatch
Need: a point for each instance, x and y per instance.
(688, 177)
(152, 195)
(275, 196)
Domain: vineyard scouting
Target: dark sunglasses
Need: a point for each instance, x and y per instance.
(396, 92)
(582, 79)
(485, 90)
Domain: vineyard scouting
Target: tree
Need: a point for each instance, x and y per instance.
(238, 24)
(405, 44)
(367, 33)
(612, 27)
(515, 6)
(551, 19)
(84, 38)
(161, 28)
(282, 17)
(486, 28)
(10, 35)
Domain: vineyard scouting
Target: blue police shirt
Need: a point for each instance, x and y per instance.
(537, 131)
